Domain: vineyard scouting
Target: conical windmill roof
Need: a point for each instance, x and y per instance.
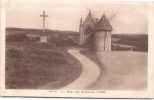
(103, 24)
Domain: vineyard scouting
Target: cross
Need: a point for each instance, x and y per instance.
(43, 15)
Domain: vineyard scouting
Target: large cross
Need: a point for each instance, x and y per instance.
(43, 15)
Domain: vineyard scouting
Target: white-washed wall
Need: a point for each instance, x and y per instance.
(102, 41)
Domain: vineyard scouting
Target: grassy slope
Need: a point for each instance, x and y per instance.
(33, 65)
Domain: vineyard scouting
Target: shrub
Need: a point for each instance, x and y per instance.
(14, 53)
(16, 37)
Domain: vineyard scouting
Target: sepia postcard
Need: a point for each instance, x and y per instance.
(76, 48)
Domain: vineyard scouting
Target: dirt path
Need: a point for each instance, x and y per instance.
(90, 71)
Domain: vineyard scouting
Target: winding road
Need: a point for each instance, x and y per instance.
(90, 72)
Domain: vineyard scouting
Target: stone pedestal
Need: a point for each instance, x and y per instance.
(43, 39)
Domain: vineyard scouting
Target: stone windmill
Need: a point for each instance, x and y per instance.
(98, 30)
(102, 39)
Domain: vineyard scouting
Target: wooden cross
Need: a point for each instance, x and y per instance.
(43, 15)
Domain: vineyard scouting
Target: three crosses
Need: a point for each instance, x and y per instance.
(44, 16)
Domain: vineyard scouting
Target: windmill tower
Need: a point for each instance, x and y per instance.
(103, 34)
(97, 32)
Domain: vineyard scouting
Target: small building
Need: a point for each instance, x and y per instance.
(96, 32)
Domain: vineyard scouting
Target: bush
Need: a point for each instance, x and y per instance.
(14, 53)
(16, 37)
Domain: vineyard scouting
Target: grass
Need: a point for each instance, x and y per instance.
(140, 41)
(32, 66)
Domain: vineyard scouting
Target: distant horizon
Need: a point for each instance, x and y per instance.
(71, 30)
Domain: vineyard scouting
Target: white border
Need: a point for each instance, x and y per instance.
(82, 93)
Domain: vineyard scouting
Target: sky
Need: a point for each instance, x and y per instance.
(66, 14)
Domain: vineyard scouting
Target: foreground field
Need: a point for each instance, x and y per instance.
(120, 70)
(32, 66)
